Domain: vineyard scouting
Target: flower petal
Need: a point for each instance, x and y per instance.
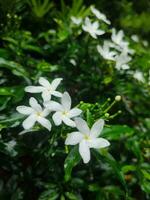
(34, 104)
(57, 118)
(29, 122)
(56, 93)
(97, 128)
(82, 126)
(44, 82)
(84, 151)
(68, 121)
(73, 138)
(53, 106)
(98, 143)
(46, 95)
(74, 112)
(66, 101)
(55, 83)
(45, 112)
(100, 32)
(45, 122)
(24, 110)
(34, 89)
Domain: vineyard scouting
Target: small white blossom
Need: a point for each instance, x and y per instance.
(117, 38)
(47, 89)
(145, 43)
(73, 62)
(105, 51)
(87, 138)
(76, 20)
(122, 61)
(119, 43)
(92, 28)
(135, 38)
(138, 75)
(99, 15)
(35, 113)
(63, 113)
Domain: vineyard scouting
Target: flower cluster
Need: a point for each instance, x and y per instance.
(62, 113)
(116, 49)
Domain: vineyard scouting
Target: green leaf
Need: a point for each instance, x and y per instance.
(128, 168)
(89, 118)
(116, 132)
(15, 68)
(145, 185)
(71, 161)
(73, 196)
(108, 158)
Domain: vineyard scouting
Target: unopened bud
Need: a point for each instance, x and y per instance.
(118, 98)
(107, 114)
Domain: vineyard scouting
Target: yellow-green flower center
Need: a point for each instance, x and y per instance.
(87, 137)
(65, 113)
(39, 114)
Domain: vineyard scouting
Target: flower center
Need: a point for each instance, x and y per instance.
(65, 113)
(87, 137)
(39, 114)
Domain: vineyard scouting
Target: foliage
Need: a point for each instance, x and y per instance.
(38, 38)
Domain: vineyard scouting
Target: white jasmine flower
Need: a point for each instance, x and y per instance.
(64, 113)
(145, 43)
(122, 61)
(35, 113)
(73, 62)
(99, 15)
(117, 38)
(92, 28)
(135, 38)
(47, 89)
(138, 75)
(76, 20)
(87, 138)
(105, 51)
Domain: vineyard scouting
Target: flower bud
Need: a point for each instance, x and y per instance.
(107, 114)
(118, 98)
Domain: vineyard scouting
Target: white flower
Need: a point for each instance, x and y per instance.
(35, 114)
(46, 88)
(63, 113)
(122, 61)
(73, 62)
(99, 15)
(139, 76)
(145, 43)
(117, 38)
(119, 43)
(76, 20)
(87, 138)
(135, 38)
(105, 51)
(92, 28)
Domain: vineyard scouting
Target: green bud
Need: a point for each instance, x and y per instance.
(107, 114)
